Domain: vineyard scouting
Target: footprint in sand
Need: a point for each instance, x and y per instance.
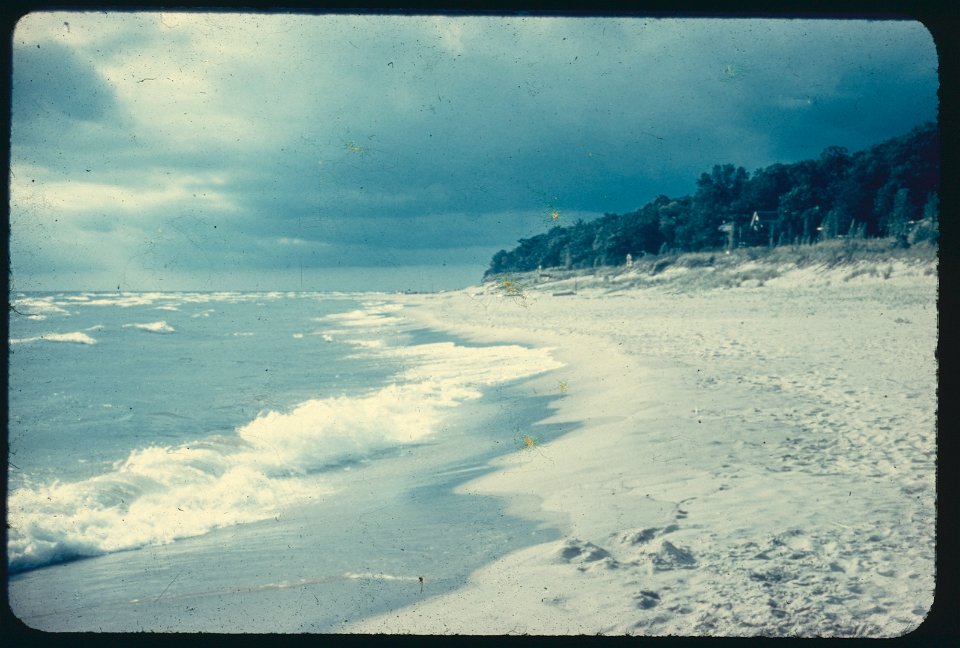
(647, 599)
(643, 536)
(774, 575)
(670, 556)
(679, 512)
(585, 555)
(662, 554)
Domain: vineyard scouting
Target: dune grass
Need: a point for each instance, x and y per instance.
(752, 266)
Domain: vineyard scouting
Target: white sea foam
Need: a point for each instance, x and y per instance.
(365, 344)
(127, 299)
(446, 361)
(383, 577)
(360, 318)
(157, 495)
(152, 327)
(162, 493)
(37, 308)
(383, 307)
(165, 301)
(322, 431)
(76, 337)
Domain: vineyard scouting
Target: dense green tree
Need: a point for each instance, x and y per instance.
(901, 215)
(763, 190)
(714, 203)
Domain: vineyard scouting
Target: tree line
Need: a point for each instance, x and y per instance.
(887, 190)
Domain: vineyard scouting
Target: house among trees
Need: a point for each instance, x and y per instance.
(766, 222)
(762, 220)
(749, 230)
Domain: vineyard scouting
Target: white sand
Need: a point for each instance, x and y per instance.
(748, 460)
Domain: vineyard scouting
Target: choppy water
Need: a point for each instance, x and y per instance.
(139, 420)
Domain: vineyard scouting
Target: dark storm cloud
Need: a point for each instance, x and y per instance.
(52, 82)
(228, 142)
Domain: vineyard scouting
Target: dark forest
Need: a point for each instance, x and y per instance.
(888, 190)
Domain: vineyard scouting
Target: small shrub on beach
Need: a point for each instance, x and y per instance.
(761, 275)
(699, 261)
(862, 270)
(511, 288)
(661, 265)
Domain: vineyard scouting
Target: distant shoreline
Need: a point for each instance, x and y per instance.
(836, 260)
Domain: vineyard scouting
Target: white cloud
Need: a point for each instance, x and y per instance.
(79, 196)
(288, 241)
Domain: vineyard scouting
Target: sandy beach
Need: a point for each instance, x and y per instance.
(692, 446)
(748, 457)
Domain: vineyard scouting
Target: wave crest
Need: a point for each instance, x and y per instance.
(77, 337)
(162, 493)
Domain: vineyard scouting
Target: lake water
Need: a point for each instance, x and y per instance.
(249, 461)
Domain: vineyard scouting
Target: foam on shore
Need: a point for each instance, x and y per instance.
(75, 337)
(161, 493)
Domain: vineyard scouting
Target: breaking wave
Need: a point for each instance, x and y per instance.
(161, 493)
(77, 337)
(152, 327)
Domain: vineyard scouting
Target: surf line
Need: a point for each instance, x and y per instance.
(286, 585)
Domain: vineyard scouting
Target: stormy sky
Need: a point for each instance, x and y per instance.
(158, 151)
